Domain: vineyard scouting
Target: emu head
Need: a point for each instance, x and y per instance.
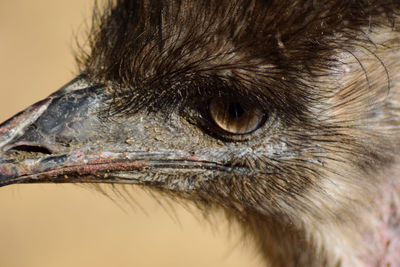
(283, 114)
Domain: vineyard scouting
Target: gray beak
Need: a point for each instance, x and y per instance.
(68, 138)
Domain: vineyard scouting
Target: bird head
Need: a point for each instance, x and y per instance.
(282, 114)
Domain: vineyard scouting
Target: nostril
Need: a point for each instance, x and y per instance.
(31, 149)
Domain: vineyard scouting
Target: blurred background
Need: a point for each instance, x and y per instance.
(67, 225)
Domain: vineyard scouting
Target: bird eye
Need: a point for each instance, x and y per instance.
(235, 117)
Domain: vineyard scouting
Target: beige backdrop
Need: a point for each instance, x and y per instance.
(66, 225)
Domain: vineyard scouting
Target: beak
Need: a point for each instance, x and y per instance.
(68, 138)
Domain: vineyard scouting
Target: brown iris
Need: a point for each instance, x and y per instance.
(234, 117)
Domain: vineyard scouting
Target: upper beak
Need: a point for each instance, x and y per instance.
(67, 137)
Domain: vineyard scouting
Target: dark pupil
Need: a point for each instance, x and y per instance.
(235, 110)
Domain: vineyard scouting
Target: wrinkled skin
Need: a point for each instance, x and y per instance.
(324, 76)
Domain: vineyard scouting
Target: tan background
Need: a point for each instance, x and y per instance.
(66, 225)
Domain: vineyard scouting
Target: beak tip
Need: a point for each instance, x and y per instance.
(13, 126)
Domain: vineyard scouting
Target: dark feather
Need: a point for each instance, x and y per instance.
(317, 180)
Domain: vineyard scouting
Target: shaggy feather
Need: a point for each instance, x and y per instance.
(325, 72)
(315, 183)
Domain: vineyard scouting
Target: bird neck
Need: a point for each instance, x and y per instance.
(383, 239)
(370, 239)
